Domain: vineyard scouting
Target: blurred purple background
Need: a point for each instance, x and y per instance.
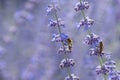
(26, 50)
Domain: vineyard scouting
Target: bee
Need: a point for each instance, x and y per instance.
(69, 41)
(101, 46)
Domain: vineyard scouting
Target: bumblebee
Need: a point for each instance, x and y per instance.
(101, 46)
(69, 41)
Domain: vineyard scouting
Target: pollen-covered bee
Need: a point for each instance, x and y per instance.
(101, 46)
(69, 41)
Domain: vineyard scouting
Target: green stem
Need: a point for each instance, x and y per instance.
(83, 15)
(59, 29)
(100, 60)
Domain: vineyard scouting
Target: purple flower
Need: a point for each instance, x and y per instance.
(72, 77)
(95, 51)
(60, 38)
(66, 50)
(64, 37)
(54, 23)
(85, 22)
(110, 64)
(114, 75)
(92, 39)
(56, 37)
(81, 6)
(102, 70)
(67, 63)
(61, 23)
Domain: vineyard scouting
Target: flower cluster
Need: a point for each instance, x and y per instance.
(67, 63)
(72, 77)
(53, 23)
(87, 22)
(115, 75)
(64, 39)
(56, 38)
(101, 70)
(64, 50)
(111, 65)
(81, 6)
(92, 39)
(60, 37)
(95, 51)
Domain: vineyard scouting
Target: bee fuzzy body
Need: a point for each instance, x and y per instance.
(101, 46)
(69, 41)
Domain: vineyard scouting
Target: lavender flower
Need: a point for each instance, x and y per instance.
(64, 37)
(81, 6)
(66, 50)
(72, 77)
(95, 51)
(87, 22)
(92, 39)
(111, 65)
(114, 75)
(102, 70)
(54, 23)
(60, 38)
(67, 63)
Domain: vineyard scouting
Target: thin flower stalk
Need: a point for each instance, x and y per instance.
(107, 66)
(86, 22)
(59, 29)
(65, 40)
